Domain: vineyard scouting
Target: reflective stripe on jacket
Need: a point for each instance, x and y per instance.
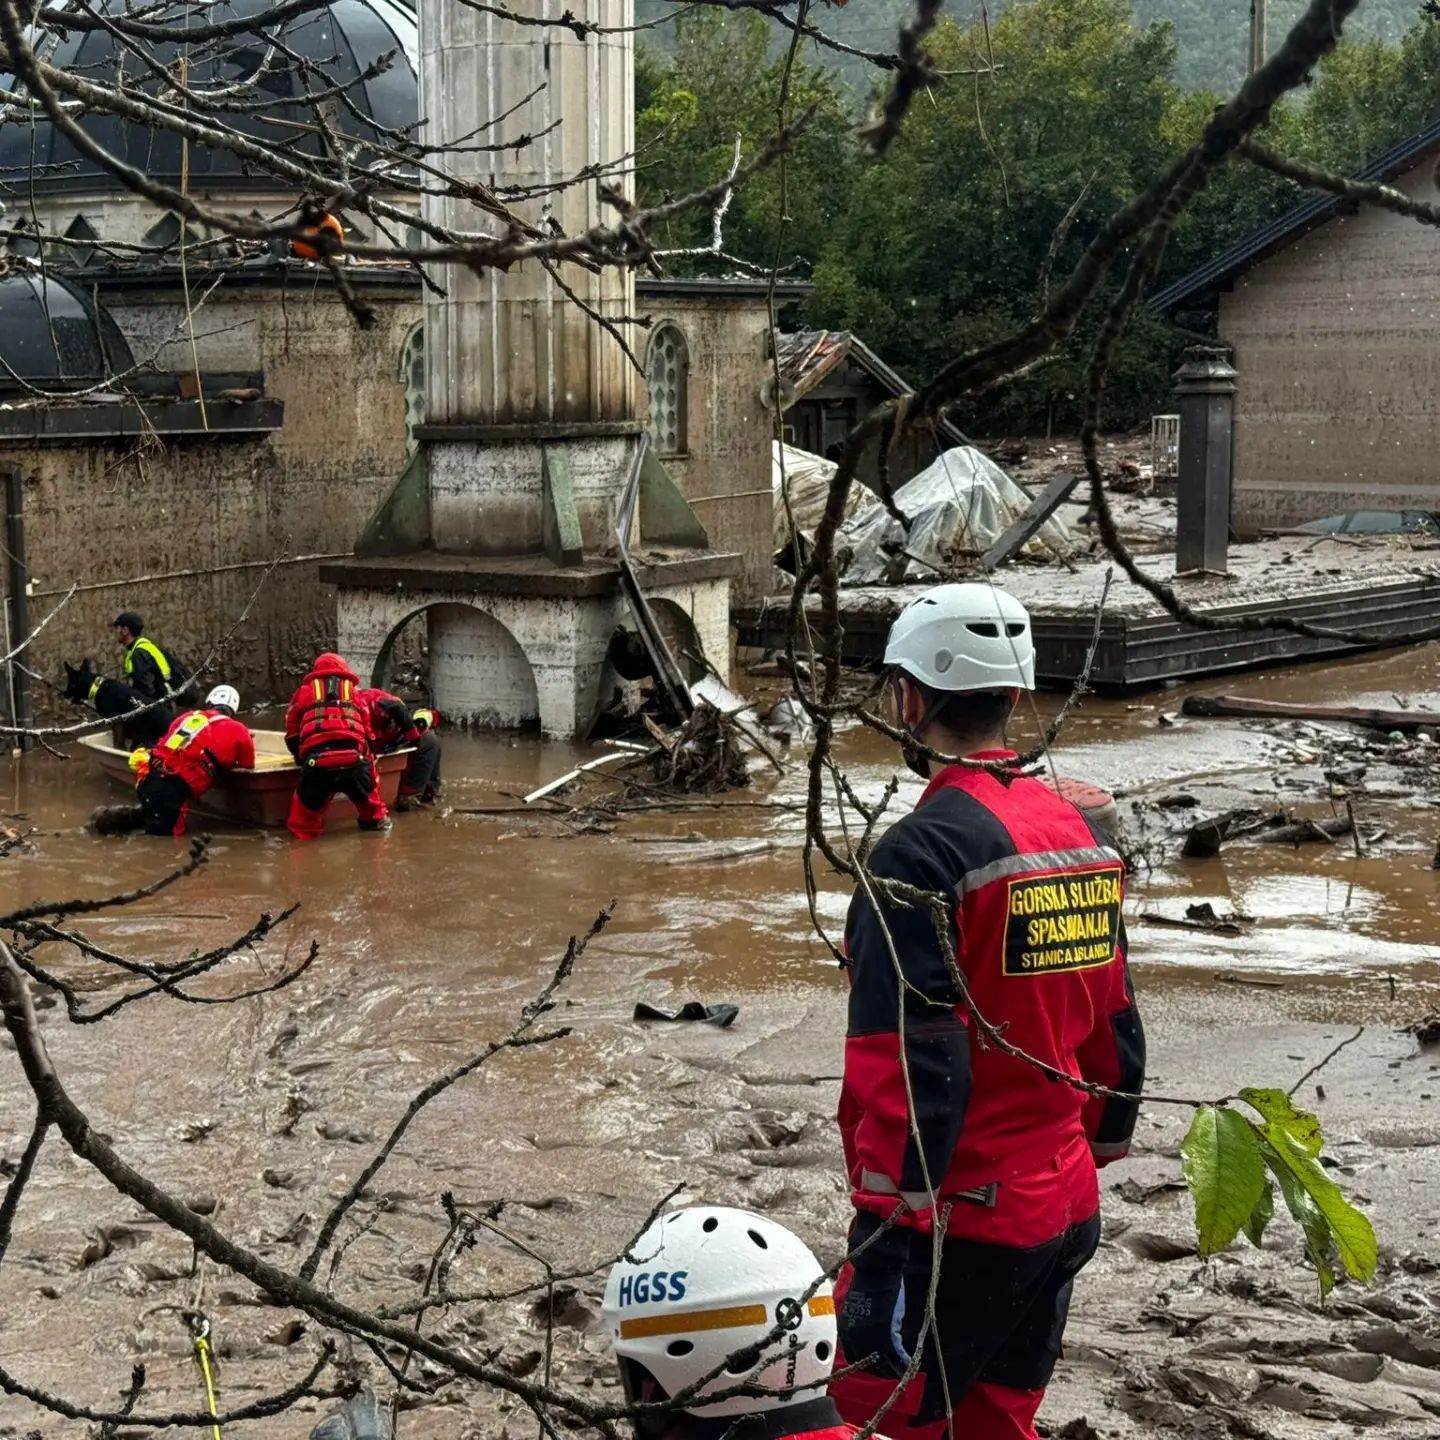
(150, 648)
(200, 744)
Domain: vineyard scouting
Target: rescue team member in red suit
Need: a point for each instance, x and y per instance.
(1039, 941)
(393, 726)
(188, 759)
(328, 734)
(713, 1289)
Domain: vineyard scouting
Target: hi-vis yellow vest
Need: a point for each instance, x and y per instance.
(154, 652)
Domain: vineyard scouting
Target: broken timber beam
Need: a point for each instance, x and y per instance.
(1049, 500)
(1215, 706)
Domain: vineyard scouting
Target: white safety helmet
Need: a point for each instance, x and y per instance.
(964, 637)
(710, 1283)
(223, 697)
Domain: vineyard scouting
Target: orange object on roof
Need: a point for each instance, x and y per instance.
(327, 225)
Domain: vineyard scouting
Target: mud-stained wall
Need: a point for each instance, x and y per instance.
(725, 469)
(1339, 390)
(98, 513)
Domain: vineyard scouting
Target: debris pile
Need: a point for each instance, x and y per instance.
(704, 756)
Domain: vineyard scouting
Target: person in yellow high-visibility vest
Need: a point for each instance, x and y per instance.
(150, 671)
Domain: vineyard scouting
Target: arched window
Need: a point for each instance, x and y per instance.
(412, 377)
(667, 369)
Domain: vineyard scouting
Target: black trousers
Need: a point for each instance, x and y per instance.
(422, 772)
(356, 783)
(163, 799)
(1000, 1313)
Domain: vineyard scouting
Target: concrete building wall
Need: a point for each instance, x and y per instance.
(1339, 391)
(724, 470)
(99, 513)
(516, 660)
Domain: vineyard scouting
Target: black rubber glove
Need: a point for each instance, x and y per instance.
(885, 1304)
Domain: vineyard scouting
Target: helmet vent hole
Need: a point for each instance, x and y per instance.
(943, 660)
(743, 1363)
(679, 1347)
(987, 628)
(822, 1351)
(758, 1238)
(1014, 629)
(711, 1224)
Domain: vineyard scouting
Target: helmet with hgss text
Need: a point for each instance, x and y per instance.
(712, 1287)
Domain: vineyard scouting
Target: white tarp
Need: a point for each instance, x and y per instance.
(808, 477)
(958, 506)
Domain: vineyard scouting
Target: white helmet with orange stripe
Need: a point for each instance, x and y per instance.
(712, 1288)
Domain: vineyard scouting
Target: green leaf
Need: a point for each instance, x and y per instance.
(1353, 1232)
(1276, 1108)
(1319, 1242)
(1261, 1215)
(1220, 1158)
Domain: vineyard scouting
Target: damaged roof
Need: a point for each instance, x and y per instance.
(807, 357)
(1224, 269)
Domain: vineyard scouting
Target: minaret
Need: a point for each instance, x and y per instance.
(502, 531)
(514, 349)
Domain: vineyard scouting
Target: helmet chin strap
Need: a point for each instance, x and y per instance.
(909, 747)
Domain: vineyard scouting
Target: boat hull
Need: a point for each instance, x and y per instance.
(253, 797)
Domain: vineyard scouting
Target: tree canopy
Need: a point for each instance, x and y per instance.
(1001, 174)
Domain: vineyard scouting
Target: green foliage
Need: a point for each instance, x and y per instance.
(1222, 1166)
(1229, 1162)
(940, 246)
(723, 81)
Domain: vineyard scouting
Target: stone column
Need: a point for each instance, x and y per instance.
(1205, 389)
(509, 347)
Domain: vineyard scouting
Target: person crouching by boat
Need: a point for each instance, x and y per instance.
(190, 756)
(394, 726)
(329, 736)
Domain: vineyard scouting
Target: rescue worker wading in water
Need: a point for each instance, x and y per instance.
(328, 734)
(931, 1114)
(189, 758)
(394, 726)
(711, 1287)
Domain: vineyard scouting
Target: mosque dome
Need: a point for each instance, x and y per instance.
(343, 40)
(54, 337)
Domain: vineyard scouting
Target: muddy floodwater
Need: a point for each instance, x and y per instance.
(434, 936)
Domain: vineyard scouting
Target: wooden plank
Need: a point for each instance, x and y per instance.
(1213, 706)
(1041, 509)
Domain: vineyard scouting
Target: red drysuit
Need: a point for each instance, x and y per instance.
(327, 730)
(1040, 944)
(185, 762)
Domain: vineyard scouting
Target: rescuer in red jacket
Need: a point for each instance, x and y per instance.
(328, 733)
(933, 1112)
(394, 726)
(732, 1296)
(189, 757)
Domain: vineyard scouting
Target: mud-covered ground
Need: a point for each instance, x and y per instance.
(434, 936)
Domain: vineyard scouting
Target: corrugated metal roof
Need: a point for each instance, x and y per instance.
(1224, 268)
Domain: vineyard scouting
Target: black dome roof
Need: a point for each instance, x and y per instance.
(52, 335)
(342, 39)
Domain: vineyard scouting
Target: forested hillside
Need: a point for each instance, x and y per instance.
(938, 247)
(1211, 36)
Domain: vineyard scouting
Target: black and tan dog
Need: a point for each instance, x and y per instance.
(114, 700)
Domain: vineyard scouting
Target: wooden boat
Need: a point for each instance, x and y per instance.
(253, 797)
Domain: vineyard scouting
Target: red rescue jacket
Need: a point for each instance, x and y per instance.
(388, 719)
(325, 724)
(1040, 941)
(199, 745)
